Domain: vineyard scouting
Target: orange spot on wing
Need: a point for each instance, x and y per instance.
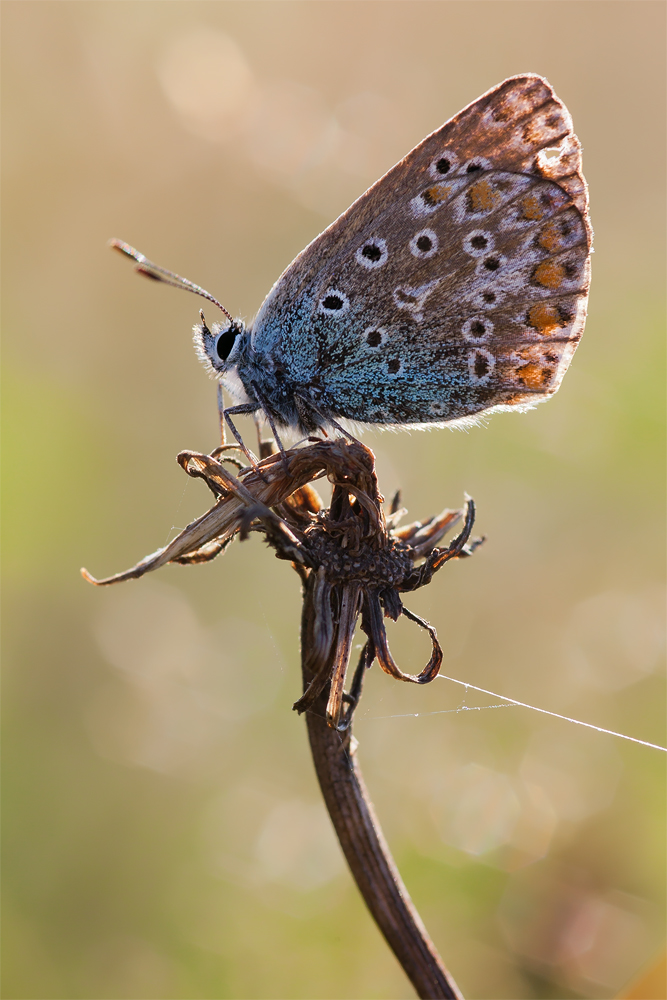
(550, 238)
(532, 209)
(544, 317)
(549, 274)
(436, 194)
(482, 197)
(533, 376)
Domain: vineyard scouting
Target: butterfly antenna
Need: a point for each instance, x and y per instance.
(150, 270)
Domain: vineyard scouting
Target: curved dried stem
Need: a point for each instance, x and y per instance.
(361, 838)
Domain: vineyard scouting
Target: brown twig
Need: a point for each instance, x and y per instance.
(362, 841)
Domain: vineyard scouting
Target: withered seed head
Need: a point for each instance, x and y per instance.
(351, 563)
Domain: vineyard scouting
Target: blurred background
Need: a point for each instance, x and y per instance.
(164, 836)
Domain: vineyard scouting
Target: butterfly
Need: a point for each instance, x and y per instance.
(455, 286)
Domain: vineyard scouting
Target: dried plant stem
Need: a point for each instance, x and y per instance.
(354, 564)
(362, 841)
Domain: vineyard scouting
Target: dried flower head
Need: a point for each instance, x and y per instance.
(353, 561)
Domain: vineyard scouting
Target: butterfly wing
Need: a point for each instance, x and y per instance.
(456, 284)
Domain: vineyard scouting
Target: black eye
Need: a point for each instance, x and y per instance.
(225, 342)
(443, 165)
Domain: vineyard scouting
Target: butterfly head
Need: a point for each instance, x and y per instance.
(220, 347)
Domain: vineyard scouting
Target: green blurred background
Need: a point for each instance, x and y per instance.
(164, 835)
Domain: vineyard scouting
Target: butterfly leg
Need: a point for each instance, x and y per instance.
(276, 438)
(224, 446)
(272, 425)
(221, 416)
(342, 430)
(241, 408)
(334, 423)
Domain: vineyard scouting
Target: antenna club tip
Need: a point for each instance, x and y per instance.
(128, 251)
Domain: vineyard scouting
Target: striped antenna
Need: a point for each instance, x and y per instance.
(150, 270)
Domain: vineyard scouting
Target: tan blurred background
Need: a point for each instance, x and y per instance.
(163, 830)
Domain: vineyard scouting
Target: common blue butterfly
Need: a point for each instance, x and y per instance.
(455, 286)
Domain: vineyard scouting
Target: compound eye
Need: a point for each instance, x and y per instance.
(225, 342)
